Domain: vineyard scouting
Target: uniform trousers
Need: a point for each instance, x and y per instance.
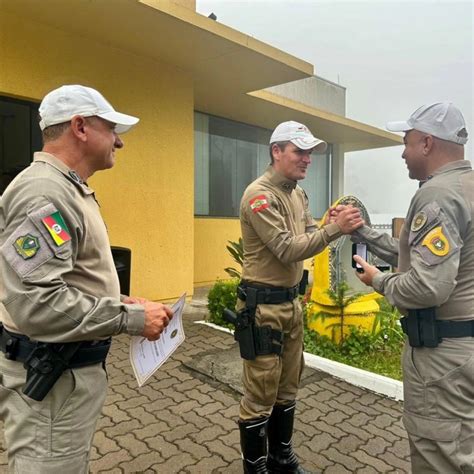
(271, 379)
(439, 406)
(54, 435)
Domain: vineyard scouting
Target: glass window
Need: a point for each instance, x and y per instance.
(20, 136)
(230, 155)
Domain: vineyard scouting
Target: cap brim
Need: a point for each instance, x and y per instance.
(319, 146)
(398, 126)
(123, 122)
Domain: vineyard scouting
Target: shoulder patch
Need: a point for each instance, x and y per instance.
(27, 246)
(259, 203)
(418, 221)
(423, 222)
(57, 228)
(436, 242)
(26, 249)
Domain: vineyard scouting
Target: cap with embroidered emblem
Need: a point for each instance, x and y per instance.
(299, 135)
(441, 119)
(62, 104)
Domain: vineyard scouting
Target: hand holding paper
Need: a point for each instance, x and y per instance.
(146, 356)
(157, 317)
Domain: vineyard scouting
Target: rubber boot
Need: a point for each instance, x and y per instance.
(281, 457)
(253, 442)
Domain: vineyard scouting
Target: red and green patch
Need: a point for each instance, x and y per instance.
(259, 203)
(57, 228)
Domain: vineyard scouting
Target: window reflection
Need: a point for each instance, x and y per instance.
(230, 155)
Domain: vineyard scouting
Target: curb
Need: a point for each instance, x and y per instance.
(360, 378)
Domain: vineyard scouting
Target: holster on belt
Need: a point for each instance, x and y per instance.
(253, 339)
(44, 367)
(424, 330)
(45, 362)
(421, 327)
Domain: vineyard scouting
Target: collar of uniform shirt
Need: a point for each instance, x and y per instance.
(454, 165)
(60, 166)
(279, 180)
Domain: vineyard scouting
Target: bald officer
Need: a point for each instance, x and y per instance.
(434, 288)
(278, 234)
(60, 290)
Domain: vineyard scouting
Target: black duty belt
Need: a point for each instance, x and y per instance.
(18, 347)
(448, 328)
(267, 294)
(455, 328)
(423, 329)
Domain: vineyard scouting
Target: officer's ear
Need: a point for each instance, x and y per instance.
(78, 127)
(427, 144)
(276, 152)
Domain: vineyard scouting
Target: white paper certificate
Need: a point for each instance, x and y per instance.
(147, 356)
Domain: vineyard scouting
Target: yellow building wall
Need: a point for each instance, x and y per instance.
(147, 199)
(210, 253)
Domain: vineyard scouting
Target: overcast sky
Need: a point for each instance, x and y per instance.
(392, 56)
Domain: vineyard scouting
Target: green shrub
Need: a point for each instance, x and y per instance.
(377, 351)
(222, 295)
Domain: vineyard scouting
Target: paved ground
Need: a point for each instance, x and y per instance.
(185, 422)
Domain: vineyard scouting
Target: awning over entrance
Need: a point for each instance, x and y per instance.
(225, 65)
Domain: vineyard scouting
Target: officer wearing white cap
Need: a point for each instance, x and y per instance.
(278, 234)
(59, 290)
(434, 289)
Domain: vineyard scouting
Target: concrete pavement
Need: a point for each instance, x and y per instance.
(184, 420)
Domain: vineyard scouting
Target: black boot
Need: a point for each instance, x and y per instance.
(281, 457)
(253, 441)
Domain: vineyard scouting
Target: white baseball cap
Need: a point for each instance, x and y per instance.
(60, 105)
(299, 135)
(441, 119)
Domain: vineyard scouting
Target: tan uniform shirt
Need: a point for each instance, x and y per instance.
(278, 231)
(436, 247)
(58, 279)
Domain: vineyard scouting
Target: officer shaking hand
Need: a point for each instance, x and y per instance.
(433, 288)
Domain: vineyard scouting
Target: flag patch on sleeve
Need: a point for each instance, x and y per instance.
(259, 203)
(57, 228)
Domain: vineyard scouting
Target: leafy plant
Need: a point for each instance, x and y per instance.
(236, 249)
(387, 324)
(341, 299)
(222, 295)
(378, 350)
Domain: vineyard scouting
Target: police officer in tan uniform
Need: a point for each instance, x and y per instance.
(59, 290)
(278, 234)
(434, 288)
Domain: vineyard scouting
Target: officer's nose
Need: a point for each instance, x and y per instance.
(118, 142)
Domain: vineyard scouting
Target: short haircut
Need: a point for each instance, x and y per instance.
(53, 132)
(280, 145)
